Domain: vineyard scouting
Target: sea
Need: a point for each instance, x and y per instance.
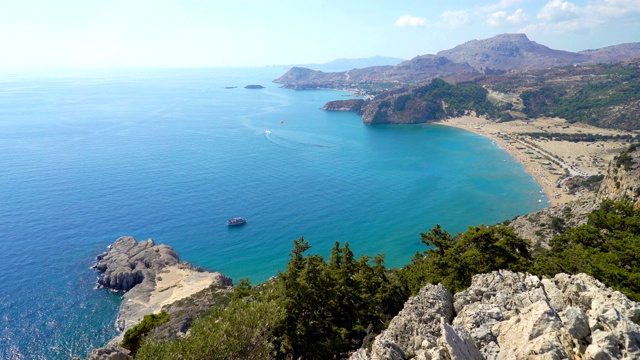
(91, 155)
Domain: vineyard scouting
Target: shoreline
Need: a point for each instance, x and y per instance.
(549, 162)
(547, 187)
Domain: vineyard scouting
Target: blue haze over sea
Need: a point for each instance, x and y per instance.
(87, 157)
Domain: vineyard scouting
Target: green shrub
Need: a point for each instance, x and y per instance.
(134, 336)
(242, 330)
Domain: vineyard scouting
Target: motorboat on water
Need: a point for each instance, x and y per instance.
(236, 221)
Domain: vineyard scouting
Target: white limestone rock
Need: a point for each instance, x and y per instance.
(507, 315)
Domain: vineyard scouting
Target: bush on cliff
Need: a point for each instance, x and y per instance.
(607, 247)
(241, 330)
(134, 336)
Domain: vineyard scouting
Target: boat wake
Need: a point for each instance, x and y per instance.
(297, 140)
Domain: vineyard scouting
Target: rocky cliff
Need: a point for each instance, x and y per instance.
(432, 101)
(344, 105)
(621, 179)
(129, 263)
(506, 315)
(540, 227)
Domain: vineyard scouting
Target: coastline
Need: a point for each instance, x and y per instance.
(549, 162)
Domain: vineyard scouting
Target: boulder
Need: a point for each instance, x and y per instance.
(111, 352)
(507, 315)
(128, 263)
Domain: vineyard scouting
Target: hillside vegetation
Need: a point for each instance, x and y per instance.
(604, 95)
(433, 101)
(318, 309)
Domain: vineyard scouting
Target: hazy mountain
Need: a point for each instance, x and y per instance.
(510, 51)
(496, 55)
(613, 53)
(359, 63)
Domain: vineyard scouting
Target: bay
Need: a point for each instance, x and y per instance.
(88, 156)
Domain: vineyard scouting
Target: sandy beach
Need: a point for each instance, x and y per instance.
(550, 162)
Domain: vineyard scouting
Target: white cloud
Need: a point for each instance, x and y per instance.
(496, 13)
(411, 21)
(518, 17)
(502, 4)
(558, 10)
(497, 18)
(500, 18)
(558, 16)
(456, 18)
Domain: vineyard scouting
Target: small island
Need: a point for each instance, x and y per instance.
(254, 87)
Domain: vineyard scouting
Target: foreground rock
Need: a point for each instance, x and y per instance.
(153, 278)
(506, 315)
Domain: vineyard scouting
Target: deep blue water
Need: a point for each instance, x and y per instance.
(87, 157)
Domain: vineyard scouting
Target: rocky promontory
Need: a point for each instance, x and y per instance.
(507, 315)
(344, 105)
(151, 275)
(129, 263)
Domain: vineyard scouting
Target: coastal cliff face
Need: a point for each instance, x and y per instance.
(506, 315)
(621, 180)
(540, 227)
(344, 105)
(432, 101)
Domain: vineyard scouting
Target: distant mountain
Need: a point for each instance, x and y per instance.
(414, 71)
(496, 55)
(359, 63)
(510, 51)
(613, 53)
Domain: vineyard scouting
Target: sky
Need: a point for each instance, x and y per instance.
(215, 33)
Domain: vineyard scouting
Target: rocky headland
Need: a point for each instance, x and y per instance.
(507, 315)
(344, 105)
(153, 278)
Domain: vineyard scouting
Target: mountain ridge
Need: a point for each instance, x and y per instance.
(496, 55)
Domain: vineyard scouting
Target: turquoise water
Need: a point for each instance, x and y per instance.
(170, 155)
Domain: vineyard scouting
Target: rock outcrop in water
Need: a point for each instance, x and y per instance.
(153, 278)
(506, 315)
(128, 263)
